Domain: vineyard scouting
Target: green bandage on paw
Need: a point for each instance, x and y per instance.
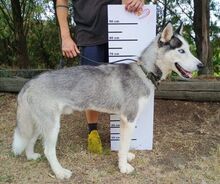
(94, 142)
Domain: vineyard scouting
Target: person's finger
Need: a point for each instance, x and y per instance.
(77, 49)
(67, 53)
(127, 4)
(70, 53)
(138, 12)
(138, 9)
(73, 53)
(140, 5)
(133, 7)
(63, 53)
(64, 50)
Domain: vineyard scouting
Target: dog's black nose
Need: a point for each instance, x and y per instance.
(200, 66)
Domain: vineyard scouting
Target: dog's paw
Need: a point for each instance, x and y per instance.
(126, 168)
(130, 156)
(63, 174)
(33, 156)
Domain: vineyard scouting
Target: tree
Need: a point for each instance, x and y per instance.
(20, 35)
(201, 28)
(16, 13)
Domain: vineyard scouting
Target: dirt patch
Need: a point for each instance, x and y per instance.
(186, 148)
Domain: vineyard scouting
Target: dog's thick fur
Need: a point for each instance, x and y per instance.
(122, 89)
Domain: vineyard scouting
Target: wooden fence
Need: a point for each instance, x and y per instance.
(190, 90)
(193, 90)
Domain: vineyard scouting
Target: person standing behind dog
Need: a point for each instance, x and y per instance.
(91, 38)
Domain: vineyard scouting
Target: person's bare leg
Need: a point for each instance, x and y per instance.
(92, 116)
(94, 141)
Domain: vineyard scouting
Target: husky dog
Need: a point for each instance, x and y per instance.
(121, 89)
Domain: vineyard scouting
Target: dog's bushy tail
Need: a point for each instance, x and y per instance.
(19, 142)
(24, 126)
(24, 122)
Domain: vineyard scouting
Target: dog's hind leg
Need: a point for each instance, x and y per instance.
(31, 155)
(126, 130)
(50, 135)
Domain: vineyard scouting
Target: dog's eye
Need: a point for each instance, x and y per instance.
(181, 51)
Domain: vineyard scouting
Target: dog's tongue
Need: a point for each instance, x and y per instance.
(189, 74)
(185, 73)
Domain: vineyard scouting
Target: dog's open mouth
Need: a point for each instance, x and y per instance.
(183, 72)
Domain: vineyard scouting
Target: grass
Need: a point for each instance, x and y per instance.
(186, 149)
(6, 179)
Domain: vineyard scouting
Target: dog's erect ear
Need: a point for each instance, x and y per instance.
(167, 33)
(180, 29)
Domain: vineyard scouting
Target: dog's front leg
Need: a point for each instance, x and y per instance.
(126, 130)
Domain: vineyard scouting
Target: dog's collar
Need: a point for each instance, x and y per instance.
(150, 75)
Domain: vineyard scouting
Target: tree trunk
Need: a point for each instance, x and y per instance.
(201, 29)
(164, 14)
(20, 37)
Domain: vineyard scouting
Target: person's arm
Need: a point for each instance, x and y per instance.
(69, 47)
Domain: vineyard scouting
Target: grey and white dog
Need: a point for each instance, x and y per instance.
(121, 89)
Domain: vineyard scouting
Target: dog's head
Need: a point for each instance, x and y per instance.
(173, 53)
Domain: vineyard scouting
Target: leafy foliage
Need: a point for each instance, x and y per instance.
(43, 44)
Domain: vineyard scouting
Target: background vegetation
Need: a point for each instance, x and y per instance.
(29, 35)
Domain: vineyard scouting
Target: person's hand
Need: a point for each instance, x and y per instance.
(69, 47)
(134, 6)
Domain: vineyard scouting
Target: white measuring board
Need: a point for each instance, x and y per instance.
(128, 36)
